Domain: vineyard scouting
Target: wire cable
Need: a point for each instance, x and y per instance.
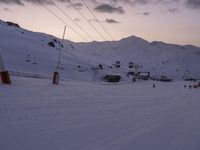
(110, 44)
(59, 8)
(106, 31)
(87, 21)
(63, 21)
(54, 14)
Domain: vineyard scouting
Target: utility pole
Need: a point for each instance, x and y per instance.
(56, 73)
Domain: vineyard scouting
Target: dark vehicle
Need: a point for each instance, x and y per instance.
(165, 79)
(112, 78)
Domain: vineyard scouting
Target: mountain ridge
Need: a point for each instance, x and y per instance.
(159, 58)
(132, 37)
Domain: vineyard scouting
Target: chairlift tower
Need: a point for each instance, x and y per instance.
(56, 73)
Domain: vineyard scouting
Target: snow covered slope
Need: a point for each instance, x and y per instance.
(86, 116)
(26, 51)
(74, 115)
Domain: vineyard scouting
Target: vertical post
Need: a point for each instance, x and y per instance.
(56, 73)
(61, 47)
(56, 78)
(2, 67)
(95, 72)
(3, 73)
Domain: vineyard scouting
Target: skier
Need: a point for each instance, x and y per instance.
(154, 86)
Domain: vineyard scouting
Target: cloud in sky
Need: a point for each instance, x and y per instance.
(144, 13)
(18, 2)
(173, 10)
(6, 9)
(21, 2)
(106, 8)
(76, 5)
(188, 3)
(111, 21)
(135, 2)
(193, 3)
(77, 19)
(110, 6)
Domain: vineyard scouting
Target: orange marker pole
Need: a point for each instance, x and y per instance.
(5, 77)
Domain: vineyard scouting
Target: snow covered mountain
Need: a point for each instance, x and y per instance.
(30, 52)
(37, 115)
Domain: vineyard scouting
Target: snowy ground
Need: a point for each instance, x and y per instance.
(36, 115)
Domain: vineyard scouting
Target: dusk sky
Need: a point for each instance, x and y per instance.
(171, 21)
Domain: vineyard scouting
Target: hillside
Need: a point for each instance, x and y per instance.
(26, 51)
(75, 115)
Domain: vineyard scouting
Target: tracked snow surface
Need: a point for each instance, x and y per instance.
(36, 115)
(79, 114)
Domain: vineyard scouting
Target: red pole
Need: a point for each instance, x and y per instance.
(5, 77)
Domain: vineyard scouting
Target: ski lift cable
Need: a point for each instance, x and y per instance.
(106, 31)
(94, 28)
(70, 18)
(99, 22)
(54, 14)
(103, 27)
(59, 8)
(87, 20)
(99, 45)
(110, 44)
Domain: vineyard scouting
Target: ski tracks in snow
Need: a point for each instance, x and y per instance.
(74, 115)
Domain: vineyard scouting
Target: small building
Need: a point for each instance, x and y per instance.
(144, 75)
(112, 78)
